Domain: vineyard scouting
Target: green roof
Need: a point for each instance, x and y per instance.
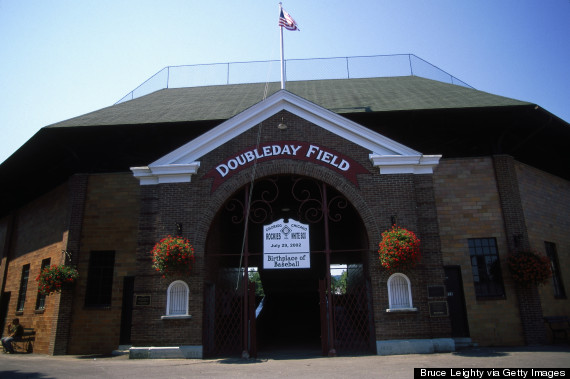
(341, 96)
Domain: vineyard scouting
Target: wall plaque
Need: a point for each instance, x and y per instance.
(436, 291)
(286, 245)
(142, 300)
(438, 309)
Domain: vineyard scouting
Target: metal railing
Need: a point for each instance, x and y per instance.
(296, 69)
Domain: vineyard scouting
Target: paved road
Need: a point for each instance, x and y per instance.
(20, 366)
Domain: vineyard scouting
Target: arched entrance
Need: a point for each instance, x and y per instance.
(293, 308)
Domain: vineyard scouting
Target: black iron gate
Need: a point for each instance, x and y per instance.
(223, 316)
(352, 318)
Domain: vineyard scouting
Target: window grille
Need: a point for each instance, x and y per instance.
(486, 269)
(41, 299)
(177, 299)
(23, 288)
(559, 291)
(399, 292)
(100, 279)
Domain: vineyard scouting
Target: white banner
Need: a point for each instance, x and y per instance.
(286, 245)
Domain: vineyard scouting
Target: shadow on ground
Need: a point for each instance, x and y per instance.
(478, 352)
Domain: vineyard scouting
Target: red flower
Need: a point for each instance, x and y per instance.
(51, 278)
(173, 255)
(529, 268)
(399, 249)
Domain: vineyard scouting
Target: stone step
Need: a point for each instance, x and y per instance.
(464, 342)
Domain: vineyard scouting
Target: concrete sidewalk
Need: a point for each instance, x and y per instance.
(277, 365)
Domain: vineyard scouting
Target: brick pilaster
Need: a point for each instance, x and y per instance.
(146, 238)
(61, 324)
(530, 307)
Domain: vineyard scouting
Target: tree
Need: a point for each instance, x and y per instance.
(339, 283)
(255, 278)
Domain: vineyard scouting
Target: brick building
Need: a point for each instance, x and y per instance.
(474, 175)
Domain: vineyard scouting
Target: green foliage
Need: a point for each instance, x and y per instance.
(339, 283)
(255, 278)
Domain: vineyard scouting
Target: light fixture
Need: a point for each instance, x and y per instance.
(282, 126)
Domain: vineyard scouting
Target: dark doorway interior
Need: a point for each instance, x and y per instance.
(456, 301)
(127, 310)
(4, 309)
(289, 321)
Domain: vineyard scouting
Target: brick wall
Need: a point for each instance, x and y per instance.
(546, 203)
(468, 206)
(37, 232)
(6, 224)
(60, 328)
(162, 207)
(530, 308)
(110, 222)
(411, 199)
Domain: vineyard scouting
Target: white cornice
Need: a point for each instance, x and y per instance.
(175, 173)
(411, 164)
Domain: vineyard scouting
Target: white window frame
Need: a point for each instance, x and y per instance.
(186, 295)
(393, 307)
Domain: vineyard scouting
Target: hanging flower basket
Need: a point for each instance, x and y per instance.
(399, 249)
(529, 268)
(53, 278)
(173, 255)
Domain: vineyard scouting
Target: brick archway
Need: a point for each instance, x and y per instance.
(224, 298)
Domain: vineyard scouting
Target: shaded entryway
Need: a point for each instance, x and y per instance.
(296, 308)
(456, 302)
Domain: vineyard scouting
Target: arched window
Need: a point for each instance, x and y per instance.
(399, 292)
(177, 299)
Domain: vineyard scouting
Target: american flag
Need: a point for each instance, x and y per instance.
(286, 21)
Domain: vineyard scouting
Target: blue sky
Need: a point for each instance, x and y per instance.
(65, 58)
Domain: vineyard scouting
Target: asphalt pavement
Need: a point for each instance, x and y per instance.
(284, 364)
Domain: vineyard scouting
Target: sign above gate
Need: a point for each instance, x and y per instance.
(297, 150)
(286, 245)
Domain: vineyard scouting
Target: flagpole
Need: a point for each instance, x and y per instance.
(283, 78)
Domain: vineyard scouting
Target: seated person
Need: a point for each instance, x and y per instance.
(15, 331)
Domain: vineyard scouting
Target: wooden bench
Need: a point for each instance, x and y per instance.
(559, 326)
(25, 343)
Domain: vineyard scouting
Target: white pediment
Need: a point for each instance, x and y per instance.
(388, 155)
